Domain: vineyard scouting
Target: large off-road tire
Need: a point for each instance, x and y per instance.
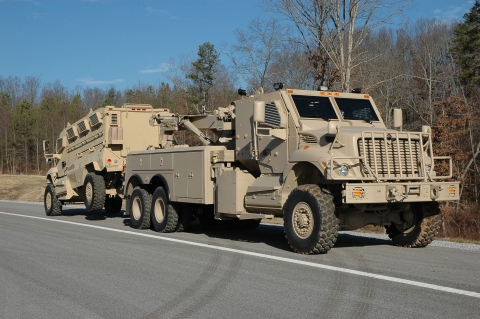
(113, 205)
(94, 192)
(53, 207)
(164, 216)
(139, 206)
(422, 222)
(309, 220)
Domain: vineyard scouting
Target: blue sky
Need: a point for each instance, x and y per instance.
(123, 42)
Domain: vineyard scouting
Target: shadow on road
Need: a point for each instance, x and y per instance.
(102, 215)
(274, 236)
(349, 240)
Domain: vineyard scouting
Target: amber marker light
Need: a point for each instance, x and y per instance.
(336, 94)
(452, 190)
(290, 91)
(322, 93)
(366, 96)
(358, 192)
(306, 147)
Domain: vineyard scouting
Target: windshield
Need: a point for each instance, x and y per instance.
(314, 107)
(356, 109)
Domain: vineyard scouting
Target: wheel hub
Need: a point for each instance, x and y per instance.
(159, 210)
(302, 220)
(136, 208)
(408, 216)
(89, 192)
(48, 201)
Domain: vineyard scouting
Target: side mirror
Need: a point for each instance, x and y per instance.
(46, 147)
(332, 128)
(259, 111)
(47, 153)
(397, 118)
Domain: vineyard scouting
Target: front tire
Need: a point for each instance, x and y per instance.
(310, 224)
(139, 207)
(422, 223)
(53, 206)
(164, 215)
(94, 192)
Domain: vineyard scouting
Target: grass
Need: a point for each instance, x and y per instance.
(22, 187)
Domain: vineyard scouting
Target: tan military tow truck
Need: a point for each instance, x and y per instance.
(325, 161)
(89, 158)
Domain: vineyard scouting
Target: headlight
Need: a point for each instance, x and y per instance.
(343, 170)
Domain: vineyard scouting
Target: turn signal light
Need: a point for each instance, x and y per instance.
(451, 190)
(358, 193)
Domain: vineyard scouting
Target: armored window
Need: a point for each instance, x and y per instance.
(94, 120)
(356, 109)
(314, 107)
(114, 119)
(83, 127)
(71, 133)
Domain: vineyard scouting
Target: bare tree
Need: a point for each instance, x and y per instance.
(255, 50)
(335, 29)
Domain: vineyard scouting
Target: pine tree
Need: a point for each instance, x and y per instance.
(466, 49)
(203, 73)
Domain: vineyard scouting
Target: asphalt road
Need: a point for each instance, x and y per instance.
(81, 265)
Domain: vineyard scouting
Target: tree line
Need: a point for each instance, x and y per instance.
(428, 67)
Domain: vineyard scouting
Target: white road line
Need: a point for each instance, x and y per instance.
(265, 256)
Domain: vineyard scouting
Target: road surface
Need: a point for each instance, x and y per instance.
(82, 265)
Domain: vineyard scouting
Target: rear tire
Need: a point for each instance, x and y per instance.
(94, 192)
(139, 207)
(53, 206)
(113, 205)
(421, 230)
(164, 216)
(310, 224)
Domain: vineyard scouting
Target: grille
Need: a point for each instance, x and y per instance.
(272, 117)
(391, 158)
(94, 119)
(308, 139)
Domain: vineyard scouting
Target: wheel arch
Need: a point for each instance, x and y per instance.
(297, 174)
(156, 181)
(159, 180)
(134, 181)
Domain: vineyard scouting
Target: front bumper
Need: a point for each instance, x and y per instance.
(369, 193)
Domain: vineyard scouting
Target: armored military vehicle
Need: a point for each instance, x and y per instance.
(323, 160)
(89, 157)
